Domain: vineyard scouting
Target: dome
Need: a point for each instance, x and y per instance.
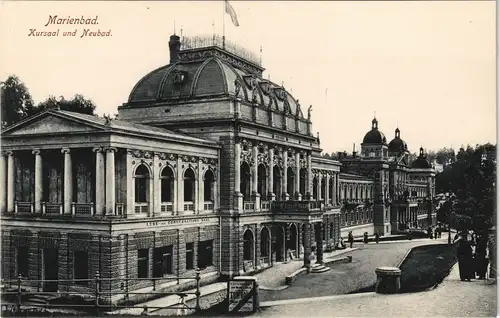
(208, 72)
(421, 162)
(374, 136)
(397, 145)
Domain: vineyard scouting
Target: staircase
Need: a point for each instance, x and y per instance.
(39, 300)
(318, 268)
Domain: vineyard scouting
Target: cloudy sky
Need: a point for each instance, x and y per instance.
(428, 67)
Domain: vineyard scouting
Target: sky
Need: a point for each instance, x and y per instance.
(428, 68)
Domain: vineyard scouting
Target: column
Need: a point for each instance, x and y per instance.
(99, 181)
(179, 189)
(307, 246)
(298, 196)
(255, 179)
(237, 176)
(337, 186)
(309, 177)
(10, 181)
(318, 186)
(110, 181)
(129, 209)
(284, 182)
(327, 194)
(156, 202)
(38, 182)
(68, 181)
(272, 196)
(3, 183)
(201, 186)
(319, 244)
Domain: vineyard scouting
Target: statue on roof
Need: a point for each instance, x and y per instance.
(237, 87)
(107, 118)
(299, 110)
(309, 110)
(254, 94)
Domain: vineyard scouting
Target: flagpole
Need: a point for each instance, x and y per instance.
(223, 24)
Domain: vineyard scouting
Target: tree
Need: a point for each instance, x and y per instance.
(16, 100)
(78, 104)
(445, 156)
(472, 179)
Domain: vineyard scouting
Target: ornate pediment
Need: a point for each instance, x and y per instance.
(49, 124)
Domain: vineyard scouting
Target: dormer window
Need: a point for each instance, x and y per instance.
(179, 77)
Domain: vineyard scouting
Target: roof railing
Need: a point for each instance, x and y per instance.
(196, 42)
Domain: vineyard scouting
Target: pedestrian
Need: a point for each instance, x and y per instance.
(464, 255)
(481, 256)
(350, 238)
(365, 237)
(377, 237)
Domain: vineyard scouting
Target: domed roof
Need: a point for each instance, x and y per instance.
(397, 144)
(211, 72)
(374, 136)
(421, 162)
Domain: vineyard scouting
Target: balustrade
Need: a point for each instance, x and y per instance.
(23, 207)
(52, 208)
(265, 205)
(82, 209)
(249, 206)
(208, 206)
(189, 206)
(167, 207)
(141, 208)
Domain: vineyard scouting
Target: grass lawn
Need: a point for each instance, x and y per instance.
(426, 266)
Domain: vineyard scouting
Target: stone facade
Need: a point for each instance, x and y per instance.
(208, 166)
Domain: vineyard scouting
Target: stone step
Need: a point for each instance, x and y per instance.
(319, 268)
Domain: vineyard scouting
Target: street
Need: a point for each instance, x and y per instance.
(347, 277)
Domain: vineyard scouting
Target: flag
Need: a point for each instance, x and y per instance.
(232, 13)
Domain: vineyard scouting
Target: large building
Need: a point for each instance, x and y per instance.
(208, 165)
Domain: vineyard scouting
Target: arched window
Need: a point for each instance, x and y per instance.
(167, 185)
(189, 184)
(245, 181)
(141, 184)
(323, 188)
(262, 181)
(315, 188)
(303, 174)
(290, 183)
(277, 182)
(209, 188)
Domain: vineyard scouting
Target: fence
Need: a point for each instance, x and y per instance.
(16, 297)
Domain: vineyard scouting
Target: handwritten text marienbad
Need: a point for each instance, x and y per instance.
(86, 27)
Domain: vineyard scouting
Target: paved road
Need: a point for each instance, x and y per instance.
(348, 277)
(452, 298)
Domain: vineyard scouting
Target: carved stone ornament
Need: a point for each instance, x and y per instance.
(277, 161)
(280, 93)
(291, 161)
(246, 156)
(263, 158)
(192, 159)
(237, 87)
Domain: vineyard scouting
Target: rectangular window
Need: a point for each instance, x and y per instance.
(189, 255)
(163, 261)
(81, 267)
(23, 261)
(205, 253)
(143, 263)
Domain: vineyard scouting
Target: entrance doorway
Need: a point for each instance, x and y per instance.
(50, 269)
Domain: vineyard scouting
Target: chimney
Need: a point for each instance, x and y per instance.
(354, 150)
(175, 46)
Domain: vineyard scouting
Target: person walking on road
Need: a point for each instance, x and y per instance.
(377, 237)
(464, 255)
(350, 238)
